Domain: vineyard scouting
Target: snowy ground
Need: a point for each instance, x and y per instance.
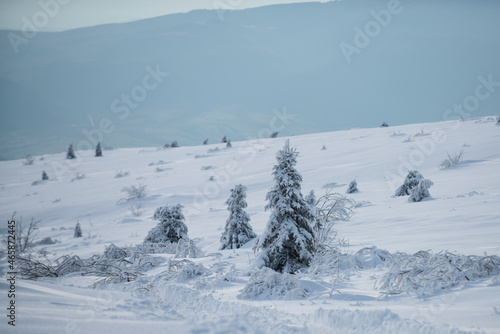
(462, 216)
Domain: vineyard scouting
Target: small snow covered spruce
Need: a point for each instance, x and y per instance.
(421, 191)
(171, 227)
(45, 177)
(78, 231)
(238, 230)
(353, 187)
(98, 150)
(287, 243)
(71, 153)
(411, 181)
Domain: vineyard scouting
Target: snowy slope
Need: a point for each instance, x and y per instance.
(461, 216)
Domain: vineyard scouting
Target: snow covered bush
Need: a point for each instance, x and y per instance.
(424, 272)
(135, 210)
(287, 243)
(238, 230)
(187, 248)
(45, 177)
(412, 180)
(269, 284)
(29, 160)
(452, 160)
(171, 227)
(421, 191)
(353, 187)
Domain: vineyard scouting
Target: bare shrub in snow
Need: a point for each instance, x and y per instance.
(269, 284)
(135, 210)
(352, 188)
(287, 243)
(121, 174)
(424, 273)
(411, 181)
(238, 230)
(78, 176)
(134, 192)
(187, 248)
(452, 160)
(171, 227)
(26, 236)
(421, 191)
(29, 160)
(330, 208)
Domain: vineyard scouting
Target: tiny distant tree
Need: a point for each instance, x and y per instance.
(274, 134)
(224, 139)
(45, 177)
(171, 227)
(98, 151)
(384, 125)
(228, 145)
(238, 230)
(498, 120)
(323, 148)
(71, 153)
(421, 191)
(287, 243)
(174, 144)
(353, 187)
(411, 181)
(167, 145)
(205, 142)
(78, 231)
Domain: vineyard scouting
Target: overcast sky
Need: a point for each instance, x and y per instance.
(83, 13)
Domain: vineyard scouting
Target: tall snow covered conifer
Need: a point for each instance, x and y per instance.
(288, 241)
(238, 230)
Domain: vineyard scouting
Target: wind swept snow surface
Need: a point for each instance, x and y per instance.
(394, 267)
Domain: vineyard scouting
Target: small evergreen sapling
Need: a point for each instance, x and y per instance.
(353, 187)
(228, 145)
(238, 230)
(70, 154)
(98, 151)
(205, 142)
(224, 139)
(45, 177)
(78, 231)
(171, 227)
(287, 243)
(174, 144)
(411, 181)
(384, 125)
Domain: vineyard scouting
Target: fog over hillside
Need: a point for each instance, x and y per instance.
(328, 66)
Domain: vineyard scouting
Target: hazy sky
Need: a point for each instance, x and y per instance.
(83, 13)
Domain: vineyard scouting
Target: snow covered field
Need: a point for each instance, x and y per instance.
(461, 217)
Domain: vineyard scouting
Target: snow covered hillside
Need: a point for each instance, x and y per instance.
(222, 291)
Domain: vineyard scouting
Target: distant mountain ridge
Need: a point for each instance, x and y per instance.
(225, 77)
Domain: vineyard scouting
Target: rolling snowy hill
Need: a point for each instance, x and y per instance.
(205, 295)
(227, 74)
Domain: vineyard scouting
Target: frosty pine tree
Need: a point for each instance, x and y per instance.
(238, 230)
(171, 227)
(288, 241)
(71, 153)
(78, 231)
(98, 151)
(45, 177)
